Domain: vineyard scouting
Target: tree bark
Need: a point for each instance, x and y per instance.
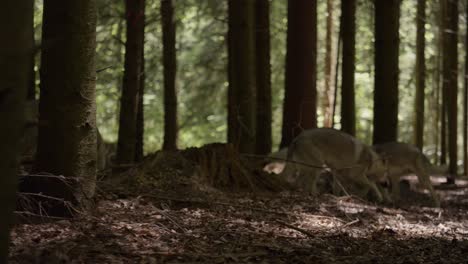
(67, 107)
(300, 99)
(31, 92)
(420, 72)
(140, 129)
(387, 40)
(262, 39)
(443, 105)
(131, 82)
(329, 85)
(437, 78)
(15, 64)
(170, 68)
(450, 85)
(465, 104)
(348, 107)
(241, 75)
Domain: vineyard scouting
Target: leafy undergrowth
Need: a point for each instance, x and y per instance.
(137, 225)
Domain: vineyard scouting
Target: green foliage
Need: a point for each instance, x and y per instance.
(202, 68)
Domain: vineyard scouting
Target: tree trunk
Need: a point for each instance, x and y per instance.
(443, 105)
(120, 59)
(170, 67)
(420, 74)
(135, 19)
(450, 75)
(465, 104)
(264, 137)
(443, 128)
(300, 98)
(31, 92)
(348, 107)
(15, 64)
(437, 79)
(336, 81)
(329, 85)
(387, 15)
(67, 107)
(140, 129)
(241, 75)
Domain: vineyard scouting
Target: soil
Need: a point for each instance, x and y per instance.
(178, 208)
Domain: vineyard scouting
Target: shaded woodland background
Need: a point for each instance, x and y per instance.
(95, 86)
(202, 59)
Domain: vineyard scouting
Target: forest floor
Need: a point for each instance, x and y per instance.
(209, 226)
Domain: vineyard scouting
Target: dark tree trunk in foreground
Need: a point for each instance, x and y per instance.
(348, 31)
(300, 99)
(443, 104)
(241, 75)
(328, 95)
(67, 108)
(450, 75)
(135, 18)
(420, 74)
(15, 64)
(170, 68)
(465, 105)
(387, 40)
(31, 92)
(140, 129)
(263, 70)
(443, 128)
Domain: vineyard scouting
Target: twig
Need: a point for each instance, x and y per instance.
(172, 220)
(40, 215)
(305, 232)
(303, 163)
(103, 69)
(335, 178)
(68, 204)
(45, 196)
(60, 177)
(349, 223)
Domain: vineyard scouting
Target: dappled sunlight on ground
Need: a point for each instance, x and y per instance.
(242, 229)
(162, 220)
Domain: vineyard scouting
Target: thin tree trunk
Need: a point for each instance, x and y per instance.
(300, 99)
(443, 105)
(465, 103)
(262, 16)
(348, 107)
(120, 59)
(450, 73)
(329, 85)
(140, 130)
(170, 67)
(336, 82)
(135, 17)
(443, 128)
(15, 65)
(420, 74)
(437, 72)
(387, 40)
(241, 75)
(67, 108)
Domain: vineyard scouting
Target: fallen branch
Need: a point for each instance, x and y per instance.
(305, 232)
(349, 223)
(40, 215)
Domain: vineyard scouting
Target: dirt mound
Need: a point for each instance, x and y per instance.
(210, 168)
